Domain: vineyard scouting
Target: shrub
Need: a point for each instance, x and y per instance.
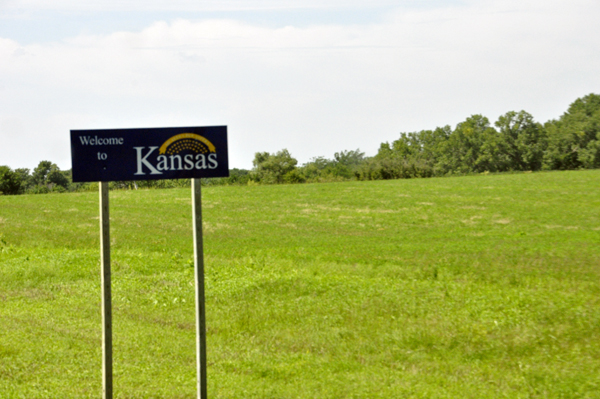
(10, 181)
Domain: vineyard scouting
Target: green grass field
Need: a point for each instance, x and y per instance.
(468, 287)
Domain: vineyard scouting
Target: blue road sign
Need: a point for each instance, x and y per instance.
(149, 154)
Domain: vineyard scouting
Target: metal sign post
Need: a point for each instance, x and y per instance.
(107, 372)
(199, 273)
(150, 154)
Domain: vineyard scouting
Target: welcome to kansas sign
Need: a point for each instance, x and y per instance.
(149, 154)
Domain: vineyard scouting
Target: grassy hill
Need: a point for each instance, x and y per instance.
(468, 287)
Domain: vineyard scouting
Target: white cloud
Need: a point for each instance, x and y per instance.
(192, 6)
(313, 90)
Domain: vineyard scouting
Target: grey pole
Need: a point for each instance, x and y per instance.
(199, 272)
(107, 371)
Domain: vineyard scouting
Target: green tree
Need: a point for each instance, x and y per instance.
(574, 139)
(426, 148)
(49, 175)
(408, 146)
(272, 168)
(350, 158)
(590, 155)
(10, 181)
(40, 172)
(318, 168)
(238, 176)
(59, 178)
(347, 162)
(521, 143)
(26, 181)
(466, 151)
(433, 144)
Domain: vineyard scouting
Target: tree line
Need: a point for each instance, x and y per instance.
(48, 178)
(515, 142)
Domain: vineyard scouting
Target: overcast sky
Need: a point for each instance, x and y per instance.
(312, 76)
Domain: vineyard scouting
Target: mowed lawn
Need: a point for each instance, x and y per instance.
(466, 287)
